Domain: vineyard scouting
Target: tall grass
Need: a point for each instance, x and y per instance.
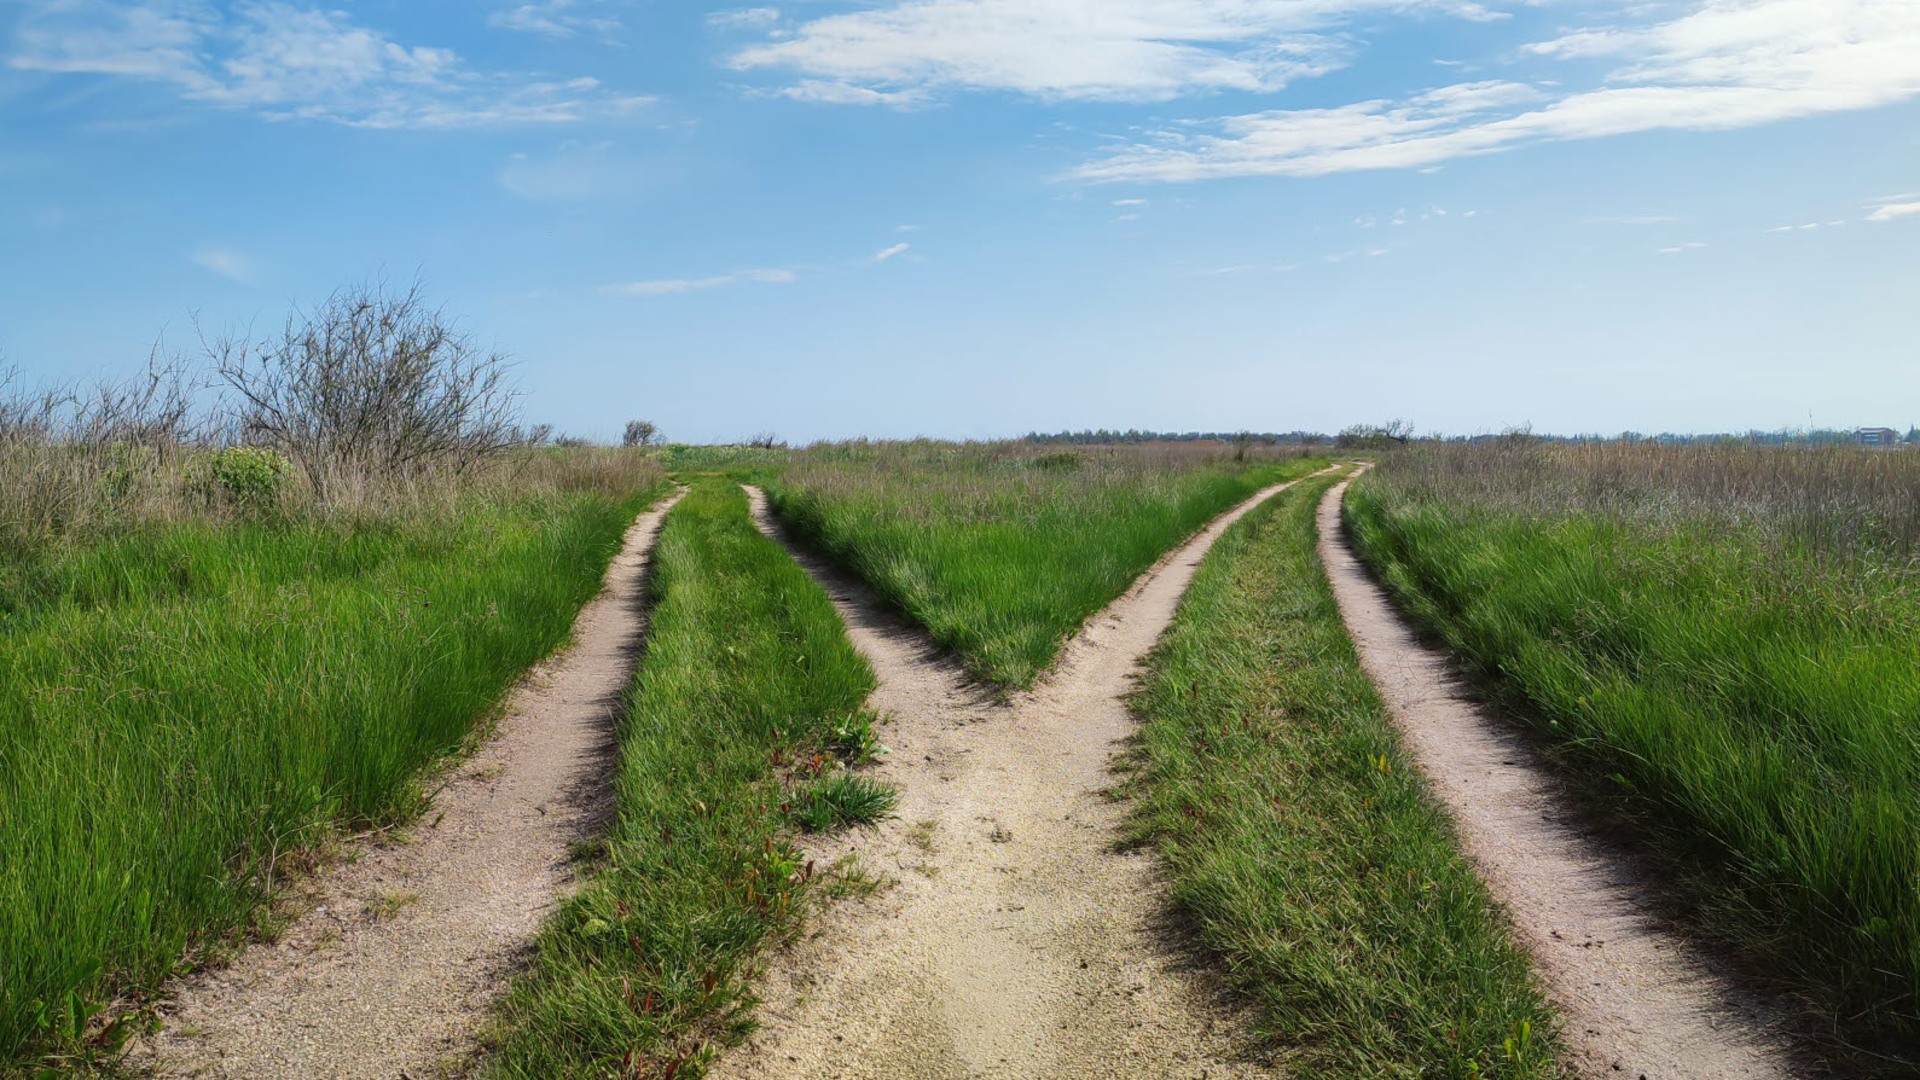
(744, 715)
(1300, 838)
(188, 697)
(1729, 637)
(1002, 550)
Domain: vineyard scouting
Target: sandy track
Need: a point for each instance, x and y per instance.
(1017, 942)
(1637, 1000)
(394, 968)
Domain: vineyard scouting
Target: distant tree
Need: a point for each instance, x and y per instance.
(1913, 435)
(1375, 436)
(766, 440)
(640, 433)
(540, 435)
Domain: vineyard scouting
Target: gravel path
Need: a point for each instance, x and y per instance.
(1017, 943)
(1637, 1001)
(396, 965)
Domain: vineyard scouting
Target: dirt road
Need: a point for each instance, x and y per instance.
(407, 945)
(1637, 1000)
(1017, 943)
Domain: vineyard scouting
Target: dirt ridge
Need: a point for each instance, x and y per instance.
(404, 949)
(1637, 1000)
(1017, 941)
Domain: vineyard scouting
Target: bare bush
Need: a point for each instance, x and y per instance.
(371, 384)
(640, 433)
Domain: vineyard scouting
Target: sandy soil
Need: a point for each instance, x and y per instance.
(405, 947)
(1637, 1000)
(1017, 942)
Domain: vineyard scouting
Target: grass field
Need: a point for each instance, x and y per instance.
(1299, 837)
(1002, 550)
(1725, 636)
(186, 704)
(745, 714)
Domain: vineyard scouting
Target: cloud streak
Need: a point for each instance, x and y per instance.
(679, 286)
(1728, 64)
(1118, 50)
(286, 62)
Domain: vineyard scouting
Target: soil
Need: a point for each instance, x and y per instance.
(1636, 999)
(406, 944)
(1010, 936)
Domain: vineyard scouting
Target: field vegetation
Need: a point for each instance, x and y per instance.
(745, 721)
(1002, 550)
(1299, 837)
(236, 624)
(1725, 635)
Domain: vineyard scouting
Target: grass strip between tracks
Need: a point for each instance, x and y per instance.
(1301, 840)
(747, 705)
(1003, 556)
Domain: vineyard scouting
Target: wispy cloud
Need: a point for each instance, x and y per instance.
(744, 18)
(1129, 50)
(677, 286)
(1681, 249)
(892, 252)
(286, 62)
(1895, 207)
(556, 19)
(1728, 64)
(226, 262)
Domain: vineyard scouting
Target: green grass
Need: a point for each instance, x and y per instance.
(1301, 841)
(183, 706)
(748, 695)
(1003, 551)
(1745, 692)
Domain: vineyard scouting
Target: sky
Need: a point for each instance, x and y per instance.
(978, 218)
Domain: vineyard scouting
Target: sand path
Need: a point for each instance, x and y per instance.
(1017, 943)
(406, 947)
(1637, 1001)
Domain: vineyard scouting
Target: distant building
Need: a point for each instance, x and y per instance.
(1877, 436)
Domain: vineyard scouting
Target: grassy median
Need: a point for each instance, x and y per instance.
(1301, 840)
(745, 716)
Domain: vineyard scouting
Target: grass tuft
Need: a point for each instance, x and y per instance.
(843, 799)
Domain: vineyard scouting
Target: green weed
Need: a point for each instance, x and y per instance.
(843, 799)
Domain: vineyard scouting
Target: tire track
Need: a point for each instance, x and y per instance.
(398, 962)
(1016, 942)
(1637, 1000)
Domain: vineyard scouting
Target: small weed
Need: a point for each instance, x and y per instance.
(849, 879)
(854, 740)
(389, 904)
(921, 835)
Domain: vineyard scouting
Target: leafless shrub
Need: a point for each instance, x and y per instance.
(766, 440)
(371, 384)
(640, 433)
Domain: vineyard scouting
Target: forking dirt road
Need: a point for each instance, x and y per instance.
(1018, 943)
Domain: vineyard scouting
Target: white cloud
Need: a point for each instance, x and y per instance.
(555, 19)
(286, 62)
(888, 253)
(677, 286)
(826, 92)
(1893, 211)
(1130, 202)
(1132, 50)
(1728, 64)
(1680, 249)
(226, 262)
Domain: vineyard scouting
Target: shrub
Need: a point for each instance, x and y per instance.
(250, 477)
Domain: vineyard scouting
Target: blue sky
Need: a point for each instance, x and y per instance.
(981, 217)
